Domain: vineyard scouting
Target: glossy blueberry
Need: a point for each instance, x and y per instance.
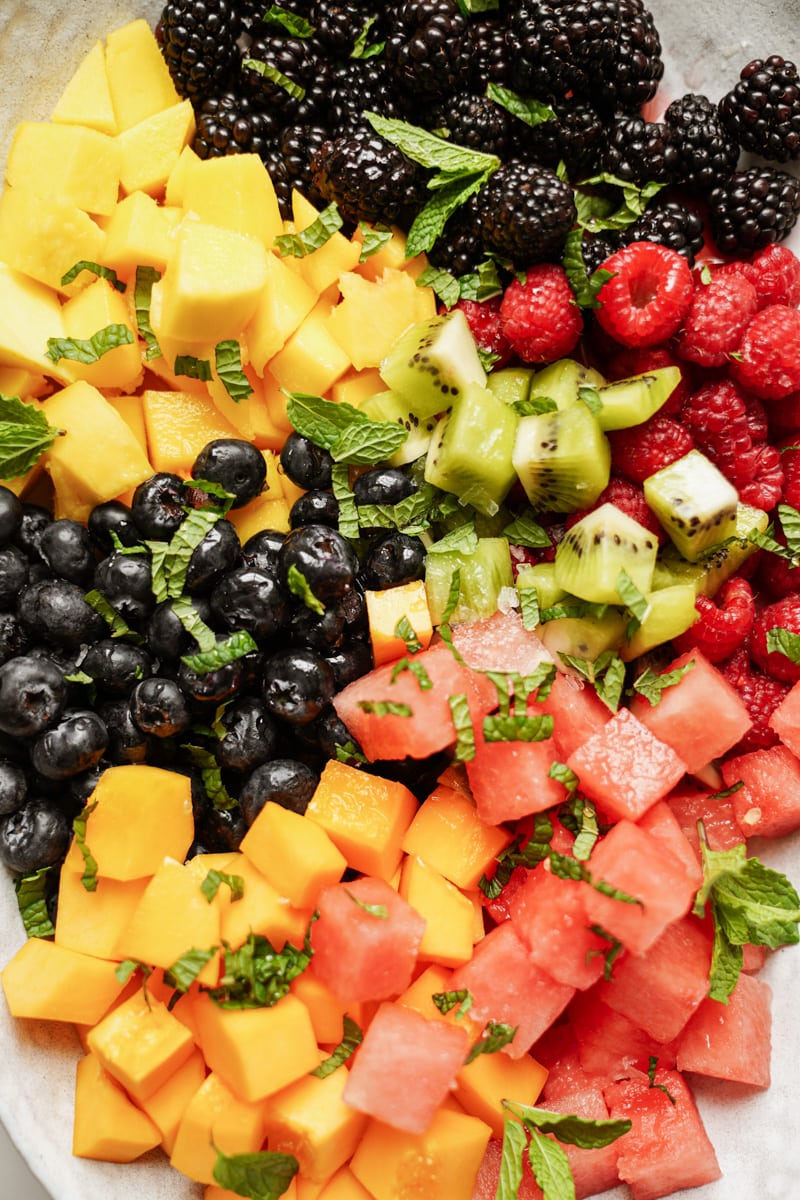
(15, 569)
(349, 662)
(263, 550)
(297, 685)
(116, 666)
(211, 687)
(54, 611)
(36, 835)
(68, 549)
(126, 582)
(237, 466)
(167, 637)
(13, 638)
(35, 520)
(250, 735)
(330, 733)
(251, 599)
(127, 743)
(383, 485)
(158, 506)
(13, 787)
(10, 515)
(76, 742)
(324, 558)
(79, 788)
(283, 781)
(316, 507)
(159, 707)
(32, 695)
(219, 830)
(319, 631)
(393, 560)
(218, 552)
(307, 465)
(112, 517)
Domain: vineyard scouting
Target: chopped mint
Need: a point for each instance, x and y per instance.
(90, 350)
(453, 595)
(564, 774)
(228, 364)
(352, 1037)
(548, 1161)
(469, 7)
(445, 285)
(465, 734)
(532, 112)
(785, 642)
(527, 532)
(652, 1067)
(373, 910)
(636, 604)
(566, 867)
(417, 670)
(374, 238)
(210, 776)
(263, 1175)
(349, 753)
(447, 1001)
(529, 606)
(256, 975)
(193, 368)
(463, 540)
(142, 297)
(591, 398)
(184, 609)
(96, 269)
(481, 284)
(343, 494)
(495, 1035)
(578, 814)
(406, 632)
(227, 650)
(214, 881)
(31, 892)
(610, 954)
(25, 434)
(585, 287)
(385, 708)
(428, 225)
(275, 76)
(652, 685)
(596, 212)
(293, 24)
(306, 241)
(299, 586)
(89, 876)
(511, 728)
(118, 627)
(362, 47)
(184, 971)
(606, 673)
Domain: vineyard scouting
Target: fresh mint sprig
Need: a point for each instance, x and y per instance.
(25, 434)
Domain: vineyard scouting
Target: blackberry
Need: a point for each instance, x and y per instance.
(526, 212)
(637, 66)
(491, 60)
(564, 47)
(576, 135)
(597, 248)
(281, 72)
(360, 84)
(198, 42)
(639, 150)
(459, 248)
(252, 13)
(473, 121)
(762, 112)
(752, 209)
(273, 160)
(701, 151)
(368, 178)
(340, 25)
(429, 48)
(230, 124)
(669, 223)
(297, 144)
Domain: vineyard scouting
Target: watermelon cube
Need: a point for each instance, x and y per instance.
(692, 803)
(365, 940)
(610, 1043)
(701, 716)
(633, 861)
(594, 1170)
(625, 768)
(769, 802)
(500, 643)
(667, 1147)
(549, 915)
(508, 988)
(731, 1041)
(577, 711)
(661, 989)
(488, 1179)
(662, 824)
(510, 780)
(785, 720)
(422, 1059)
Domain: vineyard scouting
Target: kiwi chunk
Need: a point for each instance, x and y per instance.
(470, 452)
(562, 380)
(391, 406)
(631, 401)
(670, 612)
(510, 384)
(694, 502)
(482, 576)
(708, 575)
(563, 459)
(542, 577)
(597, 549)
(432, 362)
(584, 637)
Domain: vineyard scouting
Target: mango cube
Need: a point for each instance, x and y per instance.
(138, 76)
(30, 313)
(67, 161)
(140, 1044)
(440, 1164)
(138, 233)
(324, 265)
(165, 1106)
(234, 191)
(91, 922)
(56, 984)
(88, 312)
(150, 150)
(312, 360)
(86, 99)
(215, 1117)
(284, 303)
(447, 911)
(108, 1126)
(447, 834)
(179, 425)
(44, 236)
(372, 314)
(310, 1120)
(176, 183)
(293, 853)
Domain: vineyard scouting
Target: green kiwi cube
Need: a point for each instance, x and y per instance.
(584, 637)
(694, 502)
(511, 384)
(708, 575)
(432, 362)
(482, 576)
(563, 459)
(470, 452)
(390, 406)
(597, 549)
(670, 612)
(562, 380)
(542, 577)
(631, 401)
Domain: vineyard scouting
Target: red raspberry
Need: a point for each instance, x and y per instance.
(539, 316)
(723, 623)
(648, 297)
(483, 319)
(718, 418)
(716, 320)
(760, 696)
(639, 362)
(644, 449)
(776, 575)
(790, 461)
(768, 360)
(765, 488)
(628, 497)
(774, 272)
(784, 417)
(781, 614)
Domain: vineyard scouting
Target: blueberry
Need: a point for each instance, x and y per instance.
(383, 485)
(330, 733)
(126, 741)
(55, 611)
(297, 685)
(32, 695)
(10, 515)
(76, 742)
(325, 559)
(158, 506)
(13, 638)
(252, 600)
(36, 835)
(126, 582)
(237, 466)
(218, 552)
(316, 507)
(263, 550)
(67, 547)
(13, 787)
(349, 662)
(219, 830)
(283, 781)
(319, 631)
(167, 637)
(112, 517)
(15, 567)
(116, 667)
(35, 520)
(307, 465)
(211, 687)
(159, 707)
(393, 560)
(250, 735)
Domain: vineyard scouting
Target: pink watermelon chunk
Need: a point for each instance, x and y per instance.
(625, 768)
(488, 1179)
(510, 780)
(549, 915)
(428, 726)
(769, 802)
(595, 1170)
(667, 1147)
(785, 720)
(608, 1042)
(691, 803)
(700, 717)
(500, 643)
(577, 711)
(662, 824)
(731, 1041)
(421, 1057)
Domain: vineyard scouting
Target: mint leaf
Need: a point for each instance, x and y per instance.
(210, 776)
(193, 623)
(532, 406)
(352, 1037)
(25, 434)
(228, 363)
(789, 518)
(31, 893)
(636, 604)
(96, 269)
(495, 1035)
(527, 532)
(366, 443)
(463, 540)
(89, 350)
(751, 902)
(373, 910)
(294, 25)
(515, 1141)
(118, 627)
(227, 650)
(299, 586)
(584, 818)
(362, 48)
(264, 1175)
(529, 607)
(182, 974)
(321, 229)
(587, 1133)
(406, 632)
(214, 881)
(429, 223)
(373, 239)
(551, 1168)
(343, 430)
(343, 493)
(651, 684)
(384, 708)
(532, 112)
(785, 642)
(481, 284)
(89, 876)
(596, 212)
(267, 71)
(193, 368)
(445, 285)
(606, 673)
(465, 734)
(142, 297)
(429, 150)
(585, 287)
(256, 975)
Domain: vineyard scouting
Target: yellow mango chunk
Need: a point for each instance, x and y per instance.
(356, 387)
(365, 816)
(91, 922)
(310, 1120)
(143, 815)
(260, 910)
(447, 834)
(372, 314)
(178, 175)
(19, 381)
(130, 409)
(344, 1186)
(391, 254)
(44, 236)
(30, 313)
(483, 1084)
(179, 424)
(172, 917)
(306, 1189)
(86, 99)
(166, 1105)
(214, 1192)
(284, 303)
(440, 1164)
(138, 233)
(238, 413)
(211, 287)
(215, 1117)
(234, 191)
(138, 76)
(67, 161)
(293, 853)
(323, 266)
(257, 1051)
(108, 1126)
(56, 984)
(312, 360)
(140, 1044)
(388, 607)
(150, 150)
(86, 314)
(448, 913)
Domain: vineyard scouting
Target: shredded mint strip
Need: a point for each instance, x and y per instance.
(299, 586)
(228, 364)
(494, 1037)
(294, 25)
(182, 974)
(96, 269)
(264, 1175)
(89, 877)
(142, 297)
(118, 627)
(24, 436)
(462, 721)
(417, 670)
(214, 881)
(362, 47)
(373, 910)
(499, 728)
(352, 1037)
(385, 708)
(211, 777)
(227, 650)
(31, 892)
(193, 368)
(275, 76)
(528, 606)
(532, 112)
(193, 623)
(373, 239)
(447, 1001)
(90, 350)
(298, 245)
(405, 630)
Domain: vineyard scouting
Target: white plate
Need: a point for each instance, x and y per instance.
(755, 1134)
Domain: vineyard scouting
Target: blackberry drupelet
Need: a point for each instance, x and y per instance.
(297, 144)
(701, 152)
(558, 48)
(358, 85)
(368, 178)
(752, 209)
(526, 212)
(575, 136)
(638, 150)
(231, 124)
(762, 112)
(429, 48)
(596, 249)
(341, 25)
(669, 223)
(198, 40)
(474, 121)
(637, 67)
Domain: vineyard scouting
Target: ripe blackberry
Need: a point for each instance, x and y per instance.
(638, 150)
(669, 223)
(752, 209)
(474, 121)
(526, 212)
(198, 42)
(701, 151)
(596, 249)
(368, 178)
(459, 248)
(564, 47)
(253, 12)
(339, 24)
(637, 67)
(762, 112)
(361, 84)
(297, 144)
(283, 73)
(429, 48)
(491, 54)
(576, 136)
(230, 124)
(273, 160)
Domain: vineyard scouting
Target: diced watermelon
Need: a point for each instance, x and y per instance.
(422, 1059)
(549, 915)
(488, 1179)
(633, 861)
(595, 1170)
(691, 803)
(625, 768)
(500, 643)
(667, 1147)
(510, 780)
(769, 802)
(428, 727)
(753, 958)
(577, 711)
(731, 1041)
(508, 988)
(608, 1042)
(785, 720)
(700, 717)
(661, 989)
(662, 824)
(365, 940)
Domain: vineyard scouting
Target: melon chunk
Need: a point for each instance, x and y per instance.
(150, 150)
(86, 99)
(44, 236)
(67, 161)
(138, 75)
(29, 314)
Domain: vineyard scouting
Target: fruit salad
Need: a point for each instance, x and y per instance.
(399, 603)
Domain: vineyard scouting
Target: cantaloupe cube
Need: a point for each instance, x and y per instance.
(130, 409)
(20, 381)
(140, 1044)
(293, 853)
(260, 910)
(324, 265)
(56, 984)
(44, 236)
(138, 233)
(284, 303)
(312, 359)
(138, 76)
(212, 285)
(310, 1120)
(483, 1084)
(236, 192)
(72, 162)
(326, 1010)
(385, 609)
(108, 1126)
(442, 1162)
(372, 314)
(166, 1105)
(91, 922)
(30, 313)
(178, 175)
(86, 99)
(179, 425)
(87, 313)
(215, 1119)
(447, 834)
(150, 150)
(356, 387)
(238, 413)
(448, 913)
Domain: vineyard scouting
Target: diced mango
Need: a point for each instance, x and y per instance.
(138, 76)
(448, 913)
(166, 1105)
(236, 192)
(177, 179)
(30, 313)
(214, 1192)
(293, 853)
(86, 314)
(385, 609)
(179, 425)
(419, 996)
(150, 150)
(44, 236)
(72, 162)
(356, 387)
(215, 1119)
(140, 1044)
(312, 360)
(391, 254)
(21, 382)
(344, 1186)
(130, 409)
(310, 1120)
(285, 301)
(447, 834)
(365, 816)
(86, 99)
(108, 1126)
(483, 1084)
(262, 513)
(323, 266)
(326, 1010)
(440, 1164)
(260, 910)
(55, 984)
(91, 922)
(372, 314)
(138, 233)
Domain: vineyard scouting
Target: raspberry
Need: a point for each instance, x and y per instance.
(644, 449)
(768, 360)
(774, 272)
(484, 321)
(777, 577)
(539, 315)
(765, 488)
(648, 297)
(781, 614)
(790, 461)
(717, 317)
(628, 497)
(760, 696)
(784, 418)
(723, 623)
(639, 362)
(717, 417)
